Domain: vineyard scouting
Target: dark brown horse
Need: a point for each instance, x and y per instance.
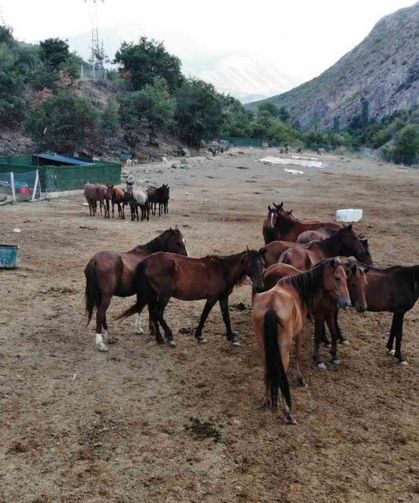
(120, 198)
(344, 243)
(279, 315)
(109, 273)
(393, 290)
(288, 228)
(94, 193)
(323, 307)
(165, 275)
(159, 196)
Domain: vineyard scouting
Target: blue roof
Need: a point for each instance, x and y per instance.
(64, 159)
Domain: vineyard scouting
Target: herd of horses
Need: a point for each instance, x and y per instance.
(152, 199)
(306, 269)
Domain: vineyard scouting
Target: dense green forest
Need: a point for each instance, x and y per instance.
(42, 94)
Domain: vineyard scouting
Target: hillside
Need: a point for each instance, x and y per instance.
(382, 72)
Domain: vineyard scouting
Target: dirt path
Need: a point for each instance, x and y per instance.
(153, 424)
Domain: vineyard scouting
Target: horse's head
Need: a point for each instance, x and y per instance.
(254, 268)
(353, 245)
(357, 283)
(335, 282)
(271, 217)
(175, 242)
(108, 191)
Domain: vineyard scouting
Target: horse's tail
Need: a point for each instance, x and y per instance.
(276, 378)
(145, 293)
(92, 292)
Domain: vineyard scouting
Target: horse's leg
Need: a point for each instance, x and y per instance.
(153, 324)
(158, 310)
(207, 309)
(298, 359)
(392, 335)
(231, 336)
(399, 335)
(101, 325)
(113, 209)
(330, 320)
(318, 330)
(284, 342)
(341, 338)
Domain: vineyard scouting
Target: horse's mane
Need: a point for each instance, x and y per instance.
(307, 283)
(157, 243)
(332, 243)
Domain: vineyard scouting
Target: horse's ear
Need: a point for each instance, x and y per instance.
(333, 263)
(269, 207)
(366, 269)
(262, 251)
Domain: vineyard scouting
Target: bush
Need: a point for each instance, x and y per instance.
(236, 119)
(406, 145)
(12, 85)
(109, 120)
(64, 123)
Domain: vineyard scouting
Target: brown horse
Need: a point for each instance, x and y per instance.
(110, 273)
(288, 228)
(120, 198)
(279, 315)
(272, 251)
(268, 228)
(393, 290)
(343, 243)
(308, 236)
(323, 307)
(165, 275)
(94, 193)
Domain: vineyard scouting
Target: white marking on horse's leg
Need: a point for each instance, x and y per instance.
(321, 366)
(100, 345)
(137, 325)
(403, 362)
(392, 352)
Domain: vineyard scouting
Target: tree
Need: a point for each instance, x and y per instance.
(64, 123)
(147, 60)
(406, 146)
(283, 114)
(54, 52)
(109, 119)
(269, 108)
(152, 105)
(199, 112)
(236, 119)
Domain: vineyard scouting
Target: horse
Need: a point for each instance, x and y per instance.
(268, 228)
(94, 192)
(159, 196)
(138, 198)
(278, 316)
(394, 290)
(318, 235)
(288, 228)
(272, 251)
(323, 307)
(165, 275)
(120, 198)
(344, 242)
(110, 273)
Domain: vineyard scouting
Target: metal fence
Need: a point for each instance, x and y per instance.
(20, 186)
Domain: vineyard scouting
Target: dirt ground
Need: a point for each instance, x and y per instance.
(145, 423)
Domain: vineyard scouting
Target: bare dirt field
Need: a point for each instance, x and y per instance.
(146, 423)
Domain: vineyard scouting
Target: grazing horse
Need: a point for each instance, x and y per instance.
(323, 307)
(110, 273)
(165, 275)
(120, 198)
(393, 290)
(345, 243)
(94, 192)
(138, 198)
(288, 228)
(279, 315)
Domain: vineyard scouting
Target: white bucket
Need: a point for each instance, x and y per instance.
(349, 215)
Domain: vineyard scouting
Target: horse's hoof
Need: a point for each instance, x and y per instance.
(139, 331)
(344, 342)
(201, 340)
(102, 347)
(235, 342)
(290, 419)
(321, 366)
(391, 352)
(171, 343)
(403, 362)
(302, 383)
(336, 362)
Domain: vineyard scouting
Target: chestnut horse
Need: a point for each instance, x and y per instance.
(120, 198)
(279, 315)
(288, 228)
(323, 308)
(394, 290)
(268, 228)
(344, 242)
(165, 275)
(110, 273)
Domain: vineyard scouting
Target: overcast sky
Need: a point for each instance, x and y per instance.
(221, 40)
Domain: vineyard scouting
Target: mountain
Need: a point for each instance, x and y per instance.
(378, 77)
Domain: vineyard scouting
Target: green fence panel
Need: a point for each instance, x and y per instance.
(242, 141)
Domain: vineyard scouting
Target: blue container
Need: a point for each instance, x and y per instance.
(8, 256)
